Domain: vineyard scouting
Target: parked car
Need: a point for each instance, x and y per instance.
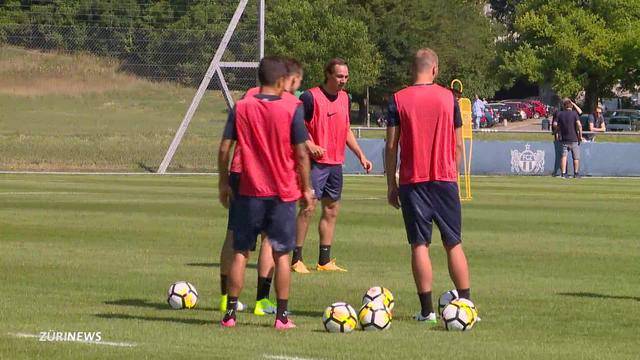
(622, 123)
(539, 109)
(526, 110)
(507, 111)
(632, 113)
(490, 118)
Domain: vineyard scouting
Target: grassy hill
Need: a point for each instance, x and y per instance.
(77, 112)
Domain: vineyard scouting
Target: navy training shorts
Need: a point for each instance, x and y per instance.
(426, 202)
(270, 215)
(326, 180)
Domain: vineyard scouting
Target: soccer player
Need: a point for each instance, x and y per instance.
(271, 136)
(326, 113)
(425, 120)
(263, 304)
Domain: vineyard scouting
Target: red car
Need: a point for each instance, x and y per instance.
(539, 109)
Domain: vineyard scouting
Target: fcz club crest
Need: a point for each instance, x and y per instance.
(527, 162)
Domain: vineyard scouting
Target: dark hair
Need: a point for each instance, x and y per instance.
(293, 66)
(271, 69)
(328, 69)
(566, 103)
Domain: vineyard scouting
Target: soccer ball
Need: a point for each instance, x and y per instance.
(469, 304)
(182, 295)
(381, 295)
(446, 298)
(374, 316)
(458, 315)
(339, 317)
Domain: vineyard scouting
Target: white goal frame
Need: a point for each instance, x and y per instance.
(215, 68)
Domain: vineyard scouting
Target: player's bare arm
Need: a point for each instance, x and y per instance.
(224, 155)
(391, 164)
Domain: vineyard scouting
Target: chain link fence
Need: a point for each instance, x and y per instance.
(103, 85)
(150, 39)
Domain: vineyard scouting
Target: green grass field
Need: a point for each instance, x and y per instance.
(554, 271)
(77, 112)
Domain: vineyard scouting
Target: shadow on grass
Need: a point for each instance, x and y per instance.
(156, 318)
(147, 304)
(249, 266)
(304, 313)
(600, 296)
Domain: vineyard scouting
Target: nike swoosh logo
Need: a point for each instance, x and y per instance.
(331, 114)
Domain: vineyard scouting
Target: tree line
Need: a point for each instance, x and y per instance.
(567, 45)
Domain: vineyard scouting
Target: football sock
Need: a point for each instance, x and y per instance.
(264, 286)
(223, 284)
(281, 312)
(297, 255)
(232, 303)
(464, 293)
(425, 303)
(325, 254)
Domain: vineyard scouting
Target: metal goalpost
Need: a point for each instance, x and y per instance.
(215, 69)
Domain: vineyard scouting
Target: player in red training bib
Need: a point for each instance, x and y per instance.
(424, 119)
(326, 113)
(263, 304)
(271, 135)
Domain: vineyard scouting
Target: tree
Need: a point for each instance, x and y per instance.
(504, 12)
(576, 45)
(314, 32)
(457, 30)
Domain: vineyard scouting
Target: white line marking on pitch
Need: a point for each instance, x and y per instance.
(284, 357)
(108, 343)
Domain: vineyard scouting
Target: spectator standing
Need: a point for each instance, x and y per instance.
(567, 125)
(478, 111)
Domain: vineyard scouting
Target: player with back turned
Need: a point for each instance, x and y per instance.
(271, 135)
(425, 122)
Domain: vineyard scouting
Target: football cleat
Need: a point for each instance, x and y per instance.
(263, 307)
(429, 319)
(300, 268)
(330, 266)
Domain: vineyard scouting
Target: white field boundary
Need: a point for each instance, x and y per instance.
(106, 343)
(285, 357)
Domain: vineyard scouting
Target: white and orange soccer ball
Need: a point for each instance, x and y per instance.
(339, 317)
(182, 295)
(380, 295)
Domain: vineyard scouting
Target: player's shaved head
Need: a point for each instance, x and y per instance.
(271, 69)
(424, 61)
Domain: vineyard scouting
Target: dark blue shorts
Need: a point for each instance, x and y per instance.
(426, 202)
(234, 183)
(269, 215)
(326, 180)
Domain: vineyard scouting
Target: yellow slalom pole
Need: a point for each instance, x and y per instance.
(467, 134)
